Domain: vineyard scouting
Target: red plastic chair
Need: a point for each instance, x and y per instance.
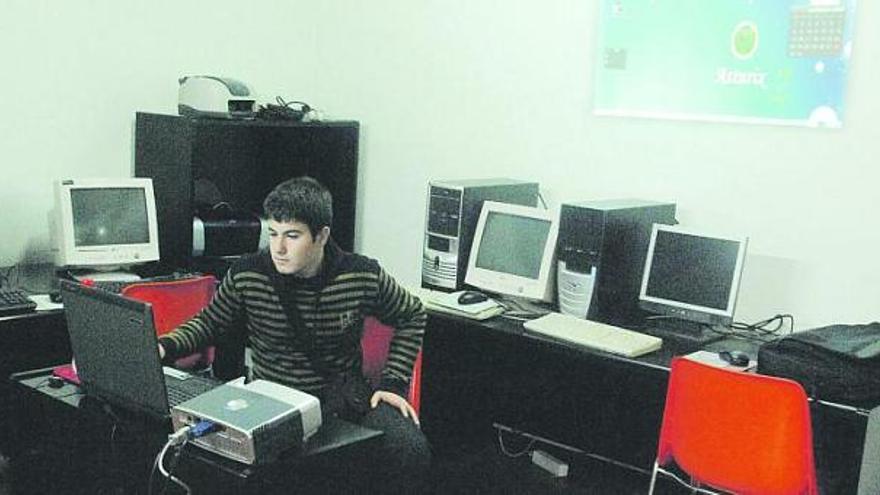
(374, 344)
(174, 302)
(734, 431)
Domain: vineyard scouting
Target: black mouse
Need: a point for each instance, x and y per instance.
(471, 297)
(55, 296)
(55, 382)
(736, 358)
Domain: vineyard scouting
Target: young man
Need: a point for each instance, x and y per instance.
(302, 304)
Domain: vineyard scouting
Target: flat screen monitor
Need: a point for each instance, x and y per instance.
(692, 276)
(105, 224)
(513, 251)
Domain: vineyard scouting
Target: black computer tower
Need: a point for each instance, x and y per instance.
(601, 255)
(453, 209)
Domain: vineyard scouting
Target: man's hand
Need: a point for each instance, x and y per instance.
(395, 401)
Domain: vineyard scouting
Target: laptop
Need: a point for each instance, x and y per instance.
(116, 352)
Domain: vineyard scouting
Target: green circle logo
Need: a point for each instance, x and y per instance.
(744, 41)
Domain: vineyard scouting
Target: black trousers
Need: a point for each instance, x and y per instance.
(402, 458)
(397, 463)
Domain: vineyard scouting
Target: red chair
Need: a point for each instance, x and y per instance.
(374, 344)
(738, 432)
(174, 302)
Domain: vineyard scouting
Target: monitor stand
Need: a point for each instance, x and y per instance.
(683, 331)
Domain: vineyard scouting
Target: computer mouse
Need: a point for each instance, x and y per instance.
(55, 296)
(736, 358)
(472, 297)
(55, 381)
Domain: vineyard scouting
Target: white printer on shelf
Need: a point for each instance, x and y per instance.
(211, 96)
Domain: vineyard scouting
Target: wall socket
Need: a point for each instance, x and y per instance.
(550, 464)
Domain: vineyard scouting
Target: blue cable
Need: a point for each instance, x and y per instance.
(202, 428)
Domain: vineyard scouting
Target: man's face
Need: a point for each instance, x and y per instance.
(294, 250)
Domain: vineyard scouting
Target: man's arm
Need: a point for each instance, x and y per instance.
(402, 311)
(201, 330)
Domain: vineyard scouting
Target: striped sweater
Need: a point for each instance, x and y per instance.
(331, 308)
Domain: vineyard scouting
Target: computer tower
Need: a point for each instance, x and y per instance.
(601, 255)
(453, 209)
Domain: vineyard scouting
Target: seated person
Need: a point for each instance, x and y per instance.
(303, 303)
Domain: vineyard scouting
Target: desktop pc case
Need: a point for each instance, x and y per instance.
(453, 209)
(601, 255)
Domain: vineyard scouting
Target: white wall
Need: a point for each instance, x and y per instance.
(450, 89)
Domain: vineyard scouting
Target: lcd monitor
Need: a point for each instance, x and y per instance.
(513, 251)
(692, 276)
(105, 224)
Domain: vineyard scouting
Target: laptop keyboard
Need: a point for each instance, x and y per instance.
(183, 389)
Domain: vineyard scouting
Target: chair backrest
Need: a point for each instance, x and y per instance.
(374, 346)
(740, 432)
(174, 301)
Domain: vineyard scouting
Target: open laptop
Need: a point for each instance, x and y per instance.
(116, 352)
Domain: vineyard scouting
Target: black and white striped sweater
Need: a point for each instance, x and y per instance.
(331, 307)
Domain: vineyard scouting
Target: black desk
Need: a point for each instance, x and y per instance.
(28, 341)
(68, 442)
(476, 374)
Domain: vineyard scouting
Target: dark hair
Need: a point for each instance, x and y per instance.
(302, 199)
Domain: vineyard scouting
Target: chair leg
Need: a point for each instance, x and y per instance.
(653, 478)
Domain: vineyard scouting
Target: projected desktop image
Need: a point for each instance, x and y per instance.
(103, 227)
(513, 251)
(690, 283)
(771, 62)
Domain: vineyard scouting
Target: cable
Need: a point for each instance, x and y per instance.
(541, 199)
(284, 111)
(763, 327)
(525, 450)
(178, 439)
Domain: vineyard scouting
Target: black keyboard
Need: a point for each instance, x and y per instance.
(117, 285)
(14, 302)
(182, 390)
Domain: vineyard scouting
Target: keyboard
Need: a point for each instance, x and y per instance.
(116, 286)
(593, 335)
(181, 386)
(15, 302)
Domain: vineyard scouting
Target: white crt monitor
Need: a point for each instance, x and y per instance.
(105, 223)
(692, 276)
(513, 251)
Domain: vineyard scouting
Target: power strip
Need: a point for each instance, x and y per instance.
(549, 463)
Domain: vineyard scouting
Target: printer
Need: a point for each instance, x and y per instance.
(211, 96)
(254, 422)
(228, 233)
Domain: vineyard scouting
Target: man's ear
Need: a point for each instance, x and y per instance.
(323, 235)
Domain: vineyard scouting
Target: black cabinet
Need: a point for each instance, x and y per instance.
(197, 163)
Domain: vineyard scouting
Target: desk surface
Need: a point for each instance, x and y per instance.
(479, 373)
(334, 433)
(335, 437)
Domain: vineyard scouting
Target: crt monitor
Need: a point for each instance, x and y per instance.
(105, 224)
(692, 276)
(513, 251)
